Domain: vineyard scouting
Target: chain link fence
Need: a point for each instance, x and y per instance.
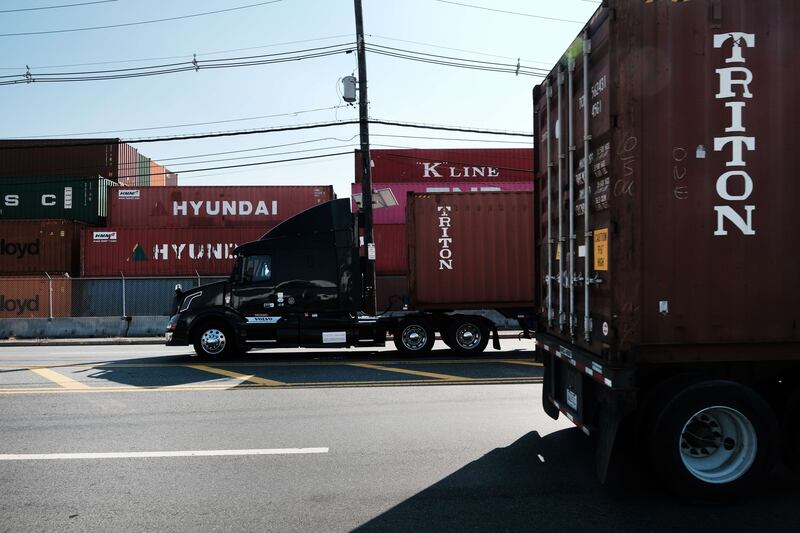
(59, 296)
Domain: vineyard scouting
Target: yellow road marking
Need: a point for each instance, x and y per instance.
(521, 362)
(60, 379)
(411, 372)
(244, 377)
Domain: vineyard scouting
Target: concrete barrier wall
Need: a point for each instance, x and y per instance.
(82, 327)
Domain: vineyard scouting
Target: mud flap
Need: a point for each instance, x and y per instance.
(614, 409)
(547, 388)
(495, 339)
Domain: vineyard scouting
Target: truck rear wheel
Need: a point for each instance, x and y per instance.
(414, 336)
(467, 336)
(713, 440)
(213, 340)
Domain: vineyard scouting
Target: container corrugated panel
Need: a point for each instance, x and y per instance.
(471, 250)
(692, 113)
(449, 165)
(397, 214)
(172, 178)
(143, 173)
(38, 246)
(158, 176)
(30, 297)
(198, 206)
(128, 164)
(390, 248)
(80, 199)
(59, 157)
(162, 251)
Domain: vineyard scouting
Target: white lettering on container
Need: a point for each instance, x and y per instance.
(225, 208)
(445, 252)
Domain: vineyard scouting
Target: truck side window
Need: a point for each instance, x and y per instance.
(257, 268)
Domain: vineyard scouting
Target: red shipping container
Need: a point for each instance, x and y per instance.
(391, 255)
(30, 297)
(449, 165)
(397, 214)
(163, 251)
(204, 206)
(38, 246)
(471, 250)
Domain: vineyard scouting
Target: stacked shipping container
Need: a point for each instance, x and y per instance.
(434, 171)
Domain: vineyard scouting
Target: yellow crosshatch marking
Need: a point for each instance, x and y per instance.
(411, 372)
(60, 379)
(227, 373)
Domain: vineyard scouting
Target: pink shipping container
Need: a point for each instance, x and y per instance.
(397, 214)
(471, 250)
(449, 165)
(158, 175)
(206, 206)
(163, 251)
(39, 246)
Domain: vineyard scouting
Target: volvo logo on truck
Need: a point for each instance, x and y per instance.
(734, 81)
(445, 240)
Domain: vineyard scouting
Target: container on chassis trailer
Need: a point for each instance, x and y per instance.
(670, 301)
(301, 283)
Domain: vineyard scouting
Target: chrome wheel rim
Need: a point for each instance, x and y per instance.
(414, 337)
(718, 445)
(468, 336)
(213, 341)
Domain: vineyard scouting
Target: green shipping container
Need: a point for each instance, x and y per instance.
(77, 199)
(143, 174)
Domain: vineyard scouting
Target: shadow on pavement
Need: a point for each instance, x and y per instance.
(548, 484)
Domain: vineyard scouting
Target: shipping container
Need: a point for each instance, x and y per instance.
(449, 165)
(59, 157)
(78, 199)
(397, 214)
(35, 297)
(143, 171)
(391, 254)
(158, 175)
(201, 206)
(38, 246)
(471, 250)
(667, 237)
(128, 161)
(162, 251)
(172, 179)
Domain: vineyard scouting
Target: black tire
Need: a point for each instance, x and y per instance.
(414, 336)
(213, 340)
(713, 441)
(467, 335)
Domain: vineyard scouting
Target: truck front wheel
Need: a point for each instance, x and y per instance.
(213, 340)
(714, 440)
(414, 336)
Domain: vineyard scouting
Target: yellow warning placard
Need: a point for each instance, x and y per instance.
(601, 249)
(558, 252)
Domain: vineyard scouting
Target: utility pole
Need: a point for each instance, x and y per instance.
(366, 167)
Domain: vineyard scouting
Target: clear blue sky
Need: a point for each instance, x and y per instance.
(399, 90)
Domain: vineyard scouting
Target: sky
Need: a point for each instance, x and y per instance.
(293, 93)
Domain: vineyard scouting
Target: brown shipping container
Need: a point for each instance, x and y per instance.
(391, 252)
(30, 297)
(128, 159)
(38, 246)
(203, 206)
(59, 157)
(692, 223)
(449, 165)
(162, 251)
(471, 250)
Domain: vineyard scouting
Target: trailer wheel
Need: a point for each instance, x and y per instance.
(467, 336)
(713, 440)
(213, 339)
(414, 336)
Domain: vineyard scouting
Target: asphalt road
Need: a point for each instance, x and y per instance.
(315, 441)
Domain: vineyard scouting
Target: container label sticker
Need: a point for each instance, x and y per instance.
(67, 197)
(104, 236)
(558, 252)
(334, 337)
(128, 194)
(601, 249)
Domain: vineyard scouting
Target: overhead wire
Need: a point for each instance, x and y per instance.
(509, 12)
(42, 8)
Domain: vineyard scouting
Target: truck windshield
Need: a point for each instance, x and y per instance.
(257, 268)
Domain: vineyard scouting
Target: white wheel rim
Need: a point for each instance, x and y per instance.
(414, 337)
(468, 336)
(718, 445)
(213, 341)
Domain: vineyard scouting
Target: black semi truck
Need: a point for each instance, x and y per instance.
(301, 284)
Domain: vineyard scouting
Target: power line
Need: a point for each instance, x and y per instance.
(128, 24)
(450, 128)
(55, 7)
(509, 12)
